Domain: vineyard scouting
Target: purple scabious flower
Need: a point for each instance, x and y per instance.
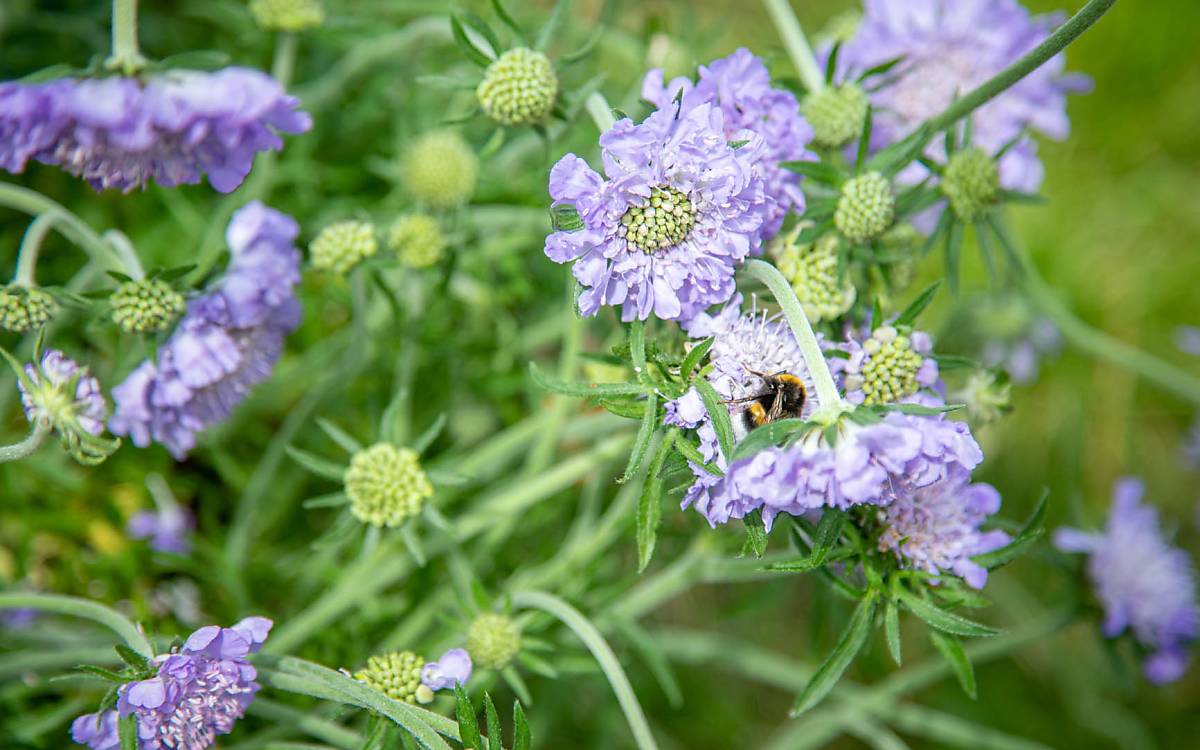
(168, 529)
(664, 230)
(741, 86)
(1143, 583)
(949, 47)
(171, 128)
(198, 692)
(885, 365)
(48, 401)
(226, 343)
(936, 528)
(865, 464)
(452, 667)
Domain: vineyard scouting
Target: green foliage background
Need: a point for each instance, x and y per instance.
(1118, 236)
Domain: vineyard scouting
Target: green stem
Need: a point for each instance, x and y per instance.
(89, 610)
(126, 57)
(797, 45)
(829, 401)
(71, 226)
(1031, 61)
(283, 66)
(28, 446)
(129, 257)
(31, 244)
(604, 655)
(597, 107)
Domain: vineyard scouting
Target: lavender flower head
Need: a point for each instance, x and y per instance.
(168, 529)
(741, 86)
(171, 128)
(49, 400)
(677, 211)
(1143, 583)
(226, 343)
(453, 667)
(949, 47)
(197, 694)
(936, 528)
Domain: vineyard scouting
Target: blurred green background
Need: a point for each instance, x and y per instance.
(1118, 236)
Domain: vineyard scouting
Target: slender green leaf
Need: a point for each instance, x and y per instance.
(627, 408)
(756, 533)
(581, 388)
(537, 665)
(651, 653)
(507, 19)
(645, 435)
(649, 508)
(132, 658)
(468, 730)
(829, 529)
(513, 679)
(127, 731)
(339, 436)
(691, 453)
(426, 438)
(919, 410)
(480, 27)
(322, 467)
(879, 69)
(891, 629)
(102, 673)
(1030, 533)
(953, 251)
(954, 362)
(770, 434)
(521, 737)
(332, 500)
(918, 305)
(831, 670)
(956, 656)
(473, 53)
(719, 415)
(495, 734)
(695, 356)
(637, 346)
(864, 141)
(939, 618)
(557, 16)
(817, 171)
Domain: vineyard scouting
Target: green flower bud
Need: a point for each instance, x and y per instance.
(25, 308)
(417, 240)
(145, 306)
(836, 114)
(971, 182)
(493, 640)
(889, 372)
(342, 246)
(386, 485)
(287, 15)
(664, 220)
(812, 270)
(986, 397)
(519, 88)
(397, 675)
(866, 209)
(439, 169)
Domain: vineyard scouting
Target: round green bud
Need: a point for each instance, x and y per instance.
(890, 370)
(836, 114)
(986, 397)
(493, 640)
(812, 269)
(386, 485)
(971, 182)
(519, 88)
(145, 306)
(439, 169)
(342, 246)
(417, 240)
(866, 209)
(397, 675)
(24, 308)
(665, 219)
(287, 15)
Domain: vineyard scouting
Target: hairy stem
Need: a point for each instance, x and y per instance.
(604, 655)
(797, 45)
(88, 610)
(829, 401)
(1031, 61)
(28, 446)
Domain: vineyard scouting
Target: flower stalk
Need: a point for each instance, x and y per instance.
(597, 107)
(126, 56)
(796, 43)
(28, 446)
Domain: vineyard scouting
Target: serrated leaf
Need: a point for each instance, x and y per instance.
(955, 655)
(339, 436)
(495, 735)
(468, 730)
(322, 467)
(718, 414)
(695, 356)
(891, 630)
(1029, 534)
(649, 508)
(583, 389)
(565, 218)
(939, 618)
(851, 642)
(521, 737)
(645, 435)
(917, 306)
(756, 532)
(473, 53)
(132, 658)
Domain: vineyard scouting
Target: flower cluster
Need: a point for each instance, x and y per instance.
(887, 366)
(1144, 584)
(171, 128)
(196, 693)
(226, 343)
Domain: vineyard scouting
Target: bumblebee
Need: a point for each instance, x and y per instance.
(784, 398)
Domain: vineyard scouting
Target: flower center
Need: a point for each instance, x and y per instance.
(664, 220)
(890, 373)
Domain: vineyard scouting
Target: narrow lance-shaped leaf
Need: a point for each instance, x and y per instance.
(582, 389)
(694, 357)
(127, 731)
(891, 629)
(521, 736)
(756, 533)
(941, 619)
(828, 530)
(1029, 534)
(468, 730)
(473, 53)
(645, 435)
(493, 723)
(918, 305)
(649, 509)
(322, 467)
(718, 414)
(956, 656)
(831, 670)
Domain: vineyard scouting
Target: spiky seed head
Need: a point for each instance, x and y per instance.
(386, 485)
(890, 370)
(145, 306)
(812, 269)
(663, 220)
(971, 182)
(23, 309)
(493, 640)
(836, 114)
(519, 88)
(342, 246)
(397, 675)
(439, 169)
(867, 207)
(417, 240)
